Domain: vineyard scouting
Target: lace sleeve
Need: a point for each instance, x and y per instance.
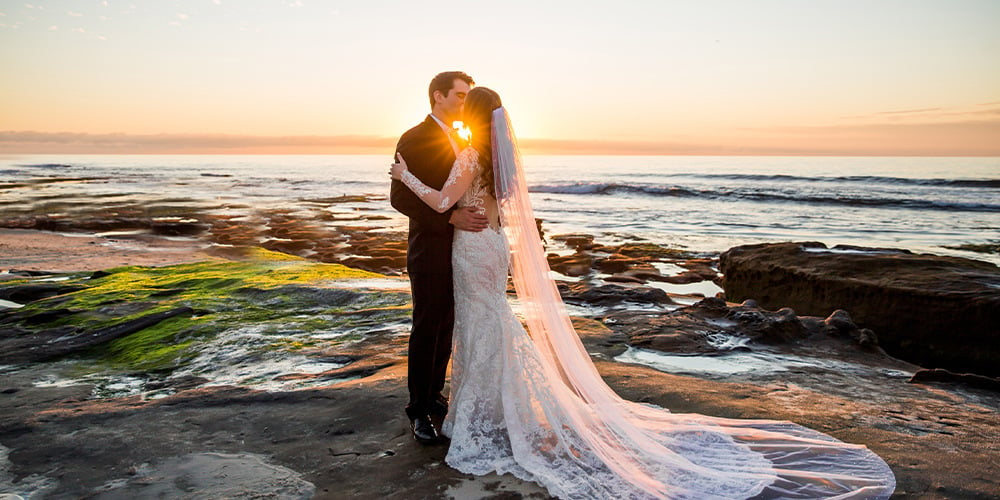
(460, 178)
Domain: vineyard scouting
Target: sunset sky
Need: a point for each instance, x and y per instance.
(852, 77)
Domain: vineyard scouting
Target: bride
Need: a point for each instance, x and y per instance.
(531, 403)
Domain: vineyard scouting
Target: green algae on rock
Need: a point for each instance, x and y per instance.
(285, 297)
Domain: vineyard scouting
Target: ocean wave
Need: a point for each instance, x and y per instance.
(46, 165)
(599, 188)
(860, 179)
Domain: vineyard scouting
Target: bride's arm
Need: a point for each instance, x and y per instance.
(459, 179)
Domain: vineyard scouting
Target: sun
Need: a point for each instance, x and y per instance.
(462, 130)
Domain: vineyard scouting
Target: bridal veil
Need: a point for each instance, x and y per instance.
(648, 452)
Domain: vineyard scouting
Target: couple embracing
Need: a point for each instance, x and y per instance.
(525, 398)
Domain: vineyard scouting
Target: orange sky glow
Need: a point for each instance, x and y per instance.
(775, 77)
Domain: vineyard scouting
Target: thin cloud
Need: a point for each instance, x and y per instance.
(932, 115)
(977, 113)
(954, 138)
(877, 126)
(908, 111)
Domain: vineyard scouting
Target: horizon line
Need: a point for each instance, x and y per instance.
(33, 142)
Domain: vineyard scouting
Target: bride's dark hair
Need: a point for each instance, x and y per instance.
(477, 115)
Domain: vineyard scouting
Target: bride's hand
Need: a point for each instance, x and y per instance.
(396, 169)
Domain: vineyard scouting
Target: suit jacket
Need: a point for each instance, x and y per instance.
(429, 156)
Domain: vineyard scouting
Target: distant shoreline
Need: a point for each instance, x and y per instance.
(529, 152)
(43, 143)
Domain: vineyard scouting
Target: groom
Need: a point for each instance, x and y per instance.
(430, 149)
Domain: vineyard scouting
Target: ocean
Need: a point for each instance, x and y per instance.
(945, 206)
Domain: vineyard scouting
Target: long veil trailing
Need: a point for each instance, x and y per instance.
(647, 452)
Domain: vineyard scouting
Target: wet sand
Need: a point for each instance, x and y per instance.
(30, 250)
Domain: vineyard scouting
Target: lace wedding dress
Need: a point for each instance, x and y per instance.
(533, 405)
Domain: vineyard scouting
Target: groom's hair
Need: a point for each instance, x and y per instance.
(445, 81)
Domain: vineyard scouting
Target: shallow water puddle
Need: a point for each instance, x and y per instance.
(704, 288)
(396, 284)
(735, 361)
(728, 364)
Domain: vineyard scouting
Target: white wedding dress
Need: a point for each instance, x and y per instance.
(533, 405)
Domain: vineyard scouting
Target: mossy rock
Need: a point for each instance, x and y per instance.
(279, 292)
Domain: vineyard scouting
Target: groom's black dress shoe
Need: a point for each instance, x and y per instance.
(438, 408)
(423, 430)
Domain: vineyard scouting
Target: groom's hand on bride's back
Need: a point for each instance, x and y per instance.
(467, 219)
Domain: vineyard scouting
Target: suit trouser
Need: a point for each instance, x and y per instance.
(430, 339)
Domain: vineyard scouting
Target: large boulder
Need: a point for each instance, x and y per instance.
(936, 311)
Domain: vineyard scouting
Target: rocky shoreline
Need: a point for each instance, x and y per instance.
(936, 311)
(287, 375)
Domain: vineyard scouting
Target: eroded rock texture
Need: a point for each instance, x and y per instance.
(935, 311)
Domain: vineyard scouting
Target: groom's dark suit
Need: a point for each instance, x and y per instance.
(429, 156)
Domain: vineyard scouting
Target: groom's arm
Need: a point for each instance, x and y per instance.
(404, 200)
